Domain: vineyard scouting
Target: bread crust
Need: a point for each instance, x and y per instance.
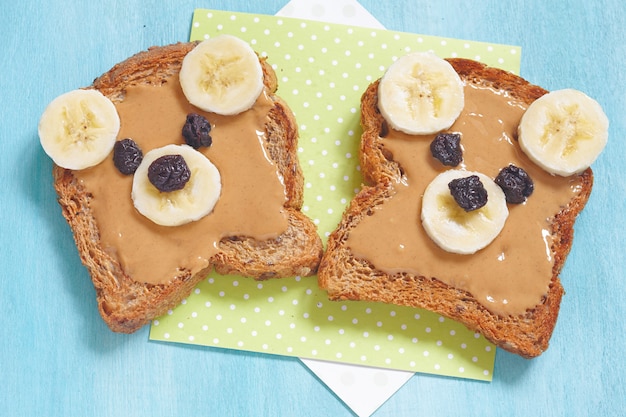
(125, 304)
(348, 278)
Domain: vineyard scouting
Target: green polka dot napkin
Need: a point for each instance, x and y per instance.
(322, 71)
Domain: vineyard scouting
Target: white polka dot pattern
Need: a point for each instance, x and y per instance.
(322, 71)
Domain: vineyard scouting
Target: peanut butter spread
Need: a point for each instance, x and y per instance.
(512, 274)
(250, 204)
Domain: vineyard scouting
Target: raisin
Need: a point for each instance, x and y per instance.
(469, 192)
(196, 131)
(516, 184)
(446, 147)
(169, 173)
(127, 156)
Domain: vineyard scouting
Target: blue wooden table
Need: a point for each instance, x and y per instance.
(57, 358)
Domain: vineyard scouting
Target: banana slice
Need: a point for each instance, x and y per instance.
(563, 131)
(188, 204)
(222, 75)
(420, 94)
(78, 129)
(450, 226)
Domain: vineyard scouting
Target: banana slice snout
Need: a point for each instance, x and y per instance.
(563, 131)
(78, 129)
(222, 75)
(453, 228)
(195, 200)
(420, 94)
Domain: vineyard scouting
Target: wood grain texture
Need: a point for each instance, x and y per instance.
(57, 358)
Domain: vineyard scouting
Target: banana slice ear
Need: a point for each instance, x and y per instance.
(420, 94)
(78, 129)
(563, 131)
(222, 75)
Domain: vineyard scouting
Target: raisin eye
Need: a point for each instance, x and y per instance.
(127, 156)
(516, 184)
(446, 147)
(196, 131)
(469, 192)
(169, 173)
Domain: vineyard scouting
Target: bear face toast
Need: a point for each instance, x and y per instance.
(404, 240)
(141, 266)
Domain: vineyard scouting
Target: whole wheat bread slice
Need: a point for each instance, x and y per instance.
(127, 304)
(346, 277)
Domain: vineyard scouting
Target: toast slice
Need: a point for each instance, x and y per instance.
(125, 303)
(347, 276)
